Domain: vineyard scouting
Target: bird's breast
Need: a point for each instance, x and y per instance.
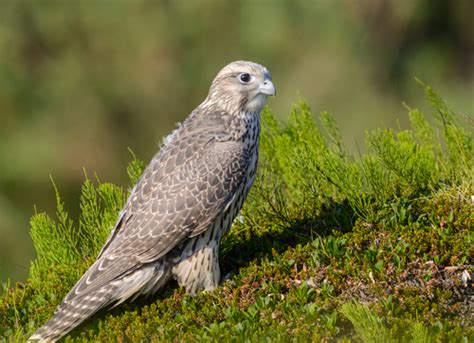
(245, 127)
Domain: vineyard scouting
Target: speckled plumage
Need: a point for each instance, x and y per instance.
(186, 199)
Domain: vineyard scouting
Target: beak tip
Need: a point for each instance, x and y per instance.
(268, 88)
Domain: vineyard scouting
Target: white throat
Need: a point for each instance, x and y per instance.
(256, 104)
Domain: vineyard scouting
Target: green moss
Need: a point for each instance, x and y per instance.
(330, 245)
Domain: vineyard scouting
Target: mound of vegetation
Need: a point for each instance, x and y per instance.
(376, 247)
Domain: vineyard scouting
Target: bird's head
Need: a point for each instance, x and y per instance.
(242, 86)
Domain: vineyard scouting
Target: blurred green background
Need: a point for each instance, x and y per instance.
(81, 81)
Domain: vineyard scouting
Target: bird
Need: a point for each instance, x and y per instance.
(184, 202)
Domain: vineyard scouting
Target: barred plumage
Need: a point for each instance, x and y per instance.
(186, 199)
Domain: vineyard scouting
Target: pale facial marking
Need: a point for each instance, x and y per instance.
(242, 86)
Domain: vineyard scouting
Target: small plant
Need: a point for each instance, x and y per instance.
(368, 326)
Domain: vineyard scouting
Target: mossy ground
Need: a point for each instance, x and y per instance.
(376, 247)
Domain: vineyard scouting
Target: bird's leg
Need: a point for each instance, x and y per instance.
(226, 277)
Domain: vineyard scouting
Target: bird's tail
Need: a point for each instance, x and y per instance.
(77, 308)
(72, 313)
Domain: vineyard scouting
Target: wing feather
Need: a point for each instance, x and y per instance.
(181, 192)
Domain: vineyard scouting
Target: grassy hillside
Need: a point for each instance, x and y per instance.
(376, 247)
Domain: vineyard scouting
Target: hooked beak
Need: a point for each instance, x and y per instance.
(267, 88)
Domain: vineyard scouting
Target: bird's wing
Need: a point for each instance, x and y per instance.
(185, 187)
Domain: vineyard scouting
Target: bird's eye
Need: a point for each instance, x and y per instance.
(245, 78)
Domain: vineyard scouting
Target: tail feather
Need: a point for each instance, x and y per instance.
(71, 314)
(77, 308)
